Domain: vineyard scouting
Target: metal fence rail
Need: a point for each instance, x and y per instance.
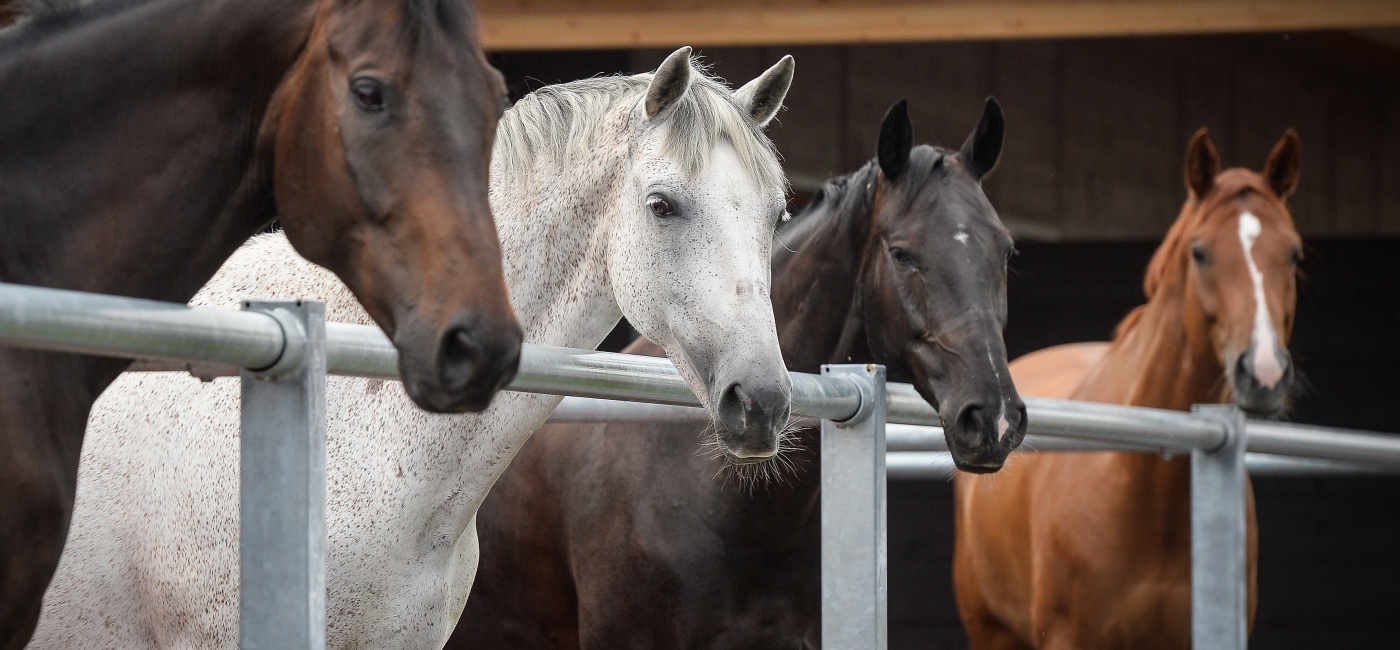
(277, 347)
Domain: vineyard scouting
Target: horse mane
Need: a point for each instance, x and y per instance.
(838, 197)
(36, 18)
(564, 121)
(33, 9)
(854, 193)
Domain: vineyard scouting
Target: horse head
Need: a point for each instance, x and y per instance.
(935, 286)
(1237, 251)
(689, 258)
(381, 141)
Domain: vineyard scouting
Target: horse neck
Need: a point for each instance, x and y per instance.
(1152, 362)
(815, 289)
(139, 192)
(554, 225)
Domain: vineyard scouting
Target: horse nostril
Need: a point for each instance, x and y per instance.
(1015, 424)
(458, 355)
(748, 419)
(475, 360)
(970, 422)
(1244, 377)
(730, 409)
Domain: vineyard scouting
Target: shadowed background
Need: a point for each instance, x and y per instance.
(1090, 180)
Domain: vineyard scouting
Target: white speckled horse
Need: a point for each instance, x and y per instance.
(653, 196)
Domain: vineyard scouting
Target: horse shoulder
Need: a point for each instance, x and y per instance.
(154, 537)
(1056, 371)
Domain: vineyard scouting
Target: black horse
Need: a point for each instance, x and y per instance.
(622, 536)
(142, 141)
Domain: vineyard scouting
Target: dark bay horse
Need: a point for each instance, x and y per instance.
(1093, 550)
(142, 141)
(621, 535)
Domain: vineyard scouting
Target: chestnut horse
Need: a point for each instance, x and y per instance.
(142, 141)
(622, 536)
(1093, 550)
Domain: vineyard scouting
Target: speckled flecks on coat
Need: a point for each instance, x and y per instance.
(152, 559)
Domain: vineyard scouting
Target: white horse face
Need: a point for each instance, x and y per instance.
(690, 257)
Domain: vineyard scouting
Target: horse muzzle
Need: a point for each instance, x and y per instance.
(981, 435)
(476, 355)
(750, 415)
(1262, 382)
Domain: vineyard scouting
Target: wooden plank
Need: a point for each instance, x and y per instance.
(1357, 132)
(944, 84)
(558, 24)
(1024, 187)
(1272, 94)
(1121, 156)
(1390, 167)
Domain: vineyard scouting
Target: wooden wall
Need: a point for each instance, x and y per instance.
(596, 24)
(1097, 127)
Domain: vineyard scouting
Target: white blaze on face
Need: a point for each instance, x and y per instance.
(961, 236)
(1002, 423)
(1264, 363)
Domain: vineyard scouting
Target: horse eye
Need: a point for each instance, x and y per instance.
(1010, 253)
(901, 256)
(659, 206)
(1296, 257)
(1199, 255)
(369, 94)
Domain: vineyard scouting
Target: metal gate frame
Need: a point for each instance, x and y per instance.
(283, 352)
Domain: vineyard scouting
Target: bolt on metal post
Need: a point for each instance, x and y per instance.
(855, 593)
(1219, 594)
(282, 541)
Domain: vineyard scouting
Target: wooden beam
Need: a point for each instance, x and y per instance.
(546, 24)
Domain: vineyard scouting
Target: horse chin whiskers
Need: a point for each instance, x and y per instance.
(751, 473)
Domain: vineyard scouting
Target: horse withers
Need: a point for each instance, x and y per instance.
(623, 536)
(653, 196)
(1093, 550)
(142, 141)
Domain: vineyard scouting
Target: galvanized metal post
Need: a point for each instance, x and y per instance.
(1219, 596)
(282, 595)
(854, 583)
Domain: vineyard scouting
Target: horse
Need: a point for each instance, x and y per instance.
(142, 141)
(652, 196)
(1093, 550)
(622, 536)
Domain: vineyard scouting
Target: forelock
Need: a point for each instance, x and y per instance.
(564, 121)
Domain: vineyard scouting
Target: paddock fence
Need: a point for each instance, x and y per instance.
(871, 431)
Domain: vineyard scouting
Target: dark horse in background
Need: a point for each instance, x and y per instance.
(622, 536)
(142, 141)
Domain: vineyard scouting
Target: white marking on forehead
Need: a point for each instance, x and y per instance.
(961, 236)
(1264, 363)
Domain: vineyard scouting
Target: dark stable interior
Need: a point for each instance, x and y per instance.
(1328, 570)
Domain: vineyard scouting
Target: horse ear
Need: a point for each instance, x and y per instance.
(763, 96)
(1202, 163)
(669, 83)
(982, 149)
(896, 140)
(1284, 163)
